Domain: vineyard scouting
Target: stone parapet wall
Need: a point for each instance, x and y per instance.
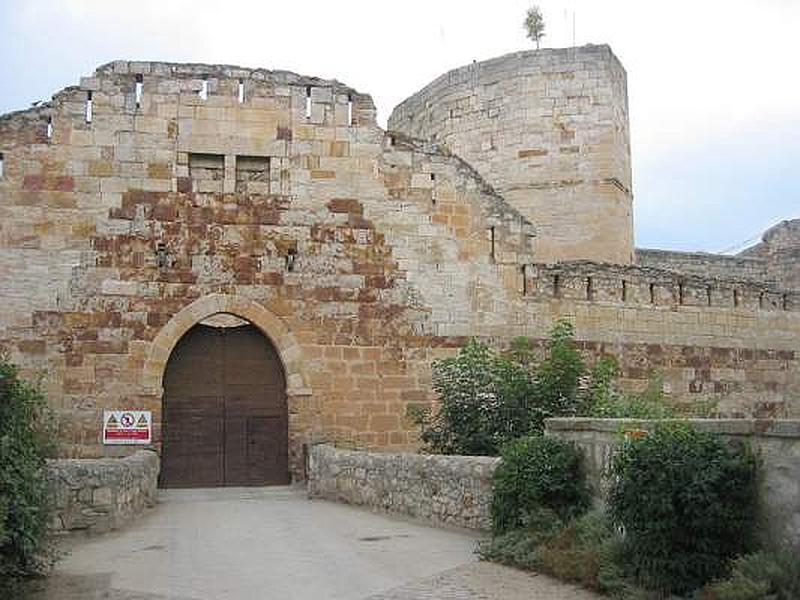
(653, 287)
(446, 490)
(98, 495)
(776, 442)
(705, 264)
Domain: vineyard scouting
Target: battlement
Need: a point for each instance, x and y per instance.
(651, 287)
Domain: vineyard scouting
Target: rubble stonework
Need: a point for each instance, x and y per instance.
(362, 255)
(97, 495)
(446, 490)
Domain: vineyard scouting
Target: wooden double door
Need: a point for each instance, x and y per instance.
(224, 414)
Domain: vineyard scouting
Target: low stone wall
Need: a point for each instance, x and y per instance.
(101, 494)
(776, 442)
(449, 490)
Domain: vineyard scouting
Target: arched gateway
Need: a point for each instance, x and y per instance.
(224, 416)
(235, 350)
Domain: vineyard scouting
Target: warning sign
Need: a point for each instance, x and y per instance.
(127, 427)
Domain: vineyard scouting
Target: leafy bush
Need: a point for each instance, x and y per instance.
(538, 473)
(758, 576)
(489, 398)
(687, 503)
(24, 493)
(604, 400)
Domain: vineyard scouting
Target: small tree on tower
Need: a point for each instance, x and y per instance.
(534, 24)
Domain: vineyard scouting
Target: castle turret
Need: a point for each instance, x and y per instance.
(549, 130)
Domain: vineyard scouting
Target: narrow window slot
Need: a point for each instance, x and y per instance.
(709, 296)
(139, 88)
(736, 298)
(49, 130)
(761, 300)
(557, 286)
(624, 291)
(89, 107)
(350, 110)
(433, 188)
(308, 102)
(241, 92)
(680, 293)
(1, 165)
(524, 270)
(652, 293)
(203, 93)
(589, 288)
(785, 302)
(492, 239)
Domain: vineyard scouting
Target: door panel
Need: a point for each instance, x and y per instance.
(224, 410)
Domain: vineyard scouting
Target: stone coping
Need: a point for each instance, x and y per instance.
(757, 427)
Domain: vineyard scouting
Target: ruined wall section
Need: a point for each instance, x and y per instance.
(780, 248)
(548, 129)
(705, 264)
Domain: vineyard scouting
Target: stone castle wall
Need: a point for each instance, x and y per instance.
(362, 255)
(549, 130)
(780, 249)
(705, 264)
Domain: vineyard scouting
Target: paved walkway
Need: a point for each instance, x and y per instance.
(248, 544)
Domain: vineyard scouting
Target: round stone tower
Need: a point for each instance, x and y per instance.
(549, 130)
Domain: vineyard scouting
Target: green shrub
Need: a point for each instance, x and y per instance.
(538, 473)
(603, 399)
(24, 493)
(687, 503)
(487, 399)
(758, 576)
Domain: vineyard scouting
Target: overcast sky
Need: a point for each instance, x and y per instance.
(714, 85)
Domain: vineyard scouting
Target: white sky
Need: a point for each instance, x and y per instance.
(713, 84)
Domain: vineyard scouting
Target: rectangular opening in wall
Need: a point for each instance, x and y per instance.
(89, 107)
(203, 93)
(350, 110)
(138, 89)
(589, 288)
(524, 280)
(736, 298)
(308, 102)
(680, 293)
(2, 165)
(624, 291)
(652, 293)
(241, 91)
(557, 286)
(709, 295)
(492, 242)
(761, 300)
(49, 129)
(207, 172)
(252, 175)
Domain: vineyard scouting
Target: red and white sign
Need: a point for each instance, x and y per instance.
(127, 427)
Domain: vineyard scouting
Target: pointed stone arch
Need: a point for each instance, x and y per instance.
(267, 322)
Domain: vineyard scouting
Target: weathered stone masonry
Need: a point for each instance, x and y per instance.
(362, 255)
